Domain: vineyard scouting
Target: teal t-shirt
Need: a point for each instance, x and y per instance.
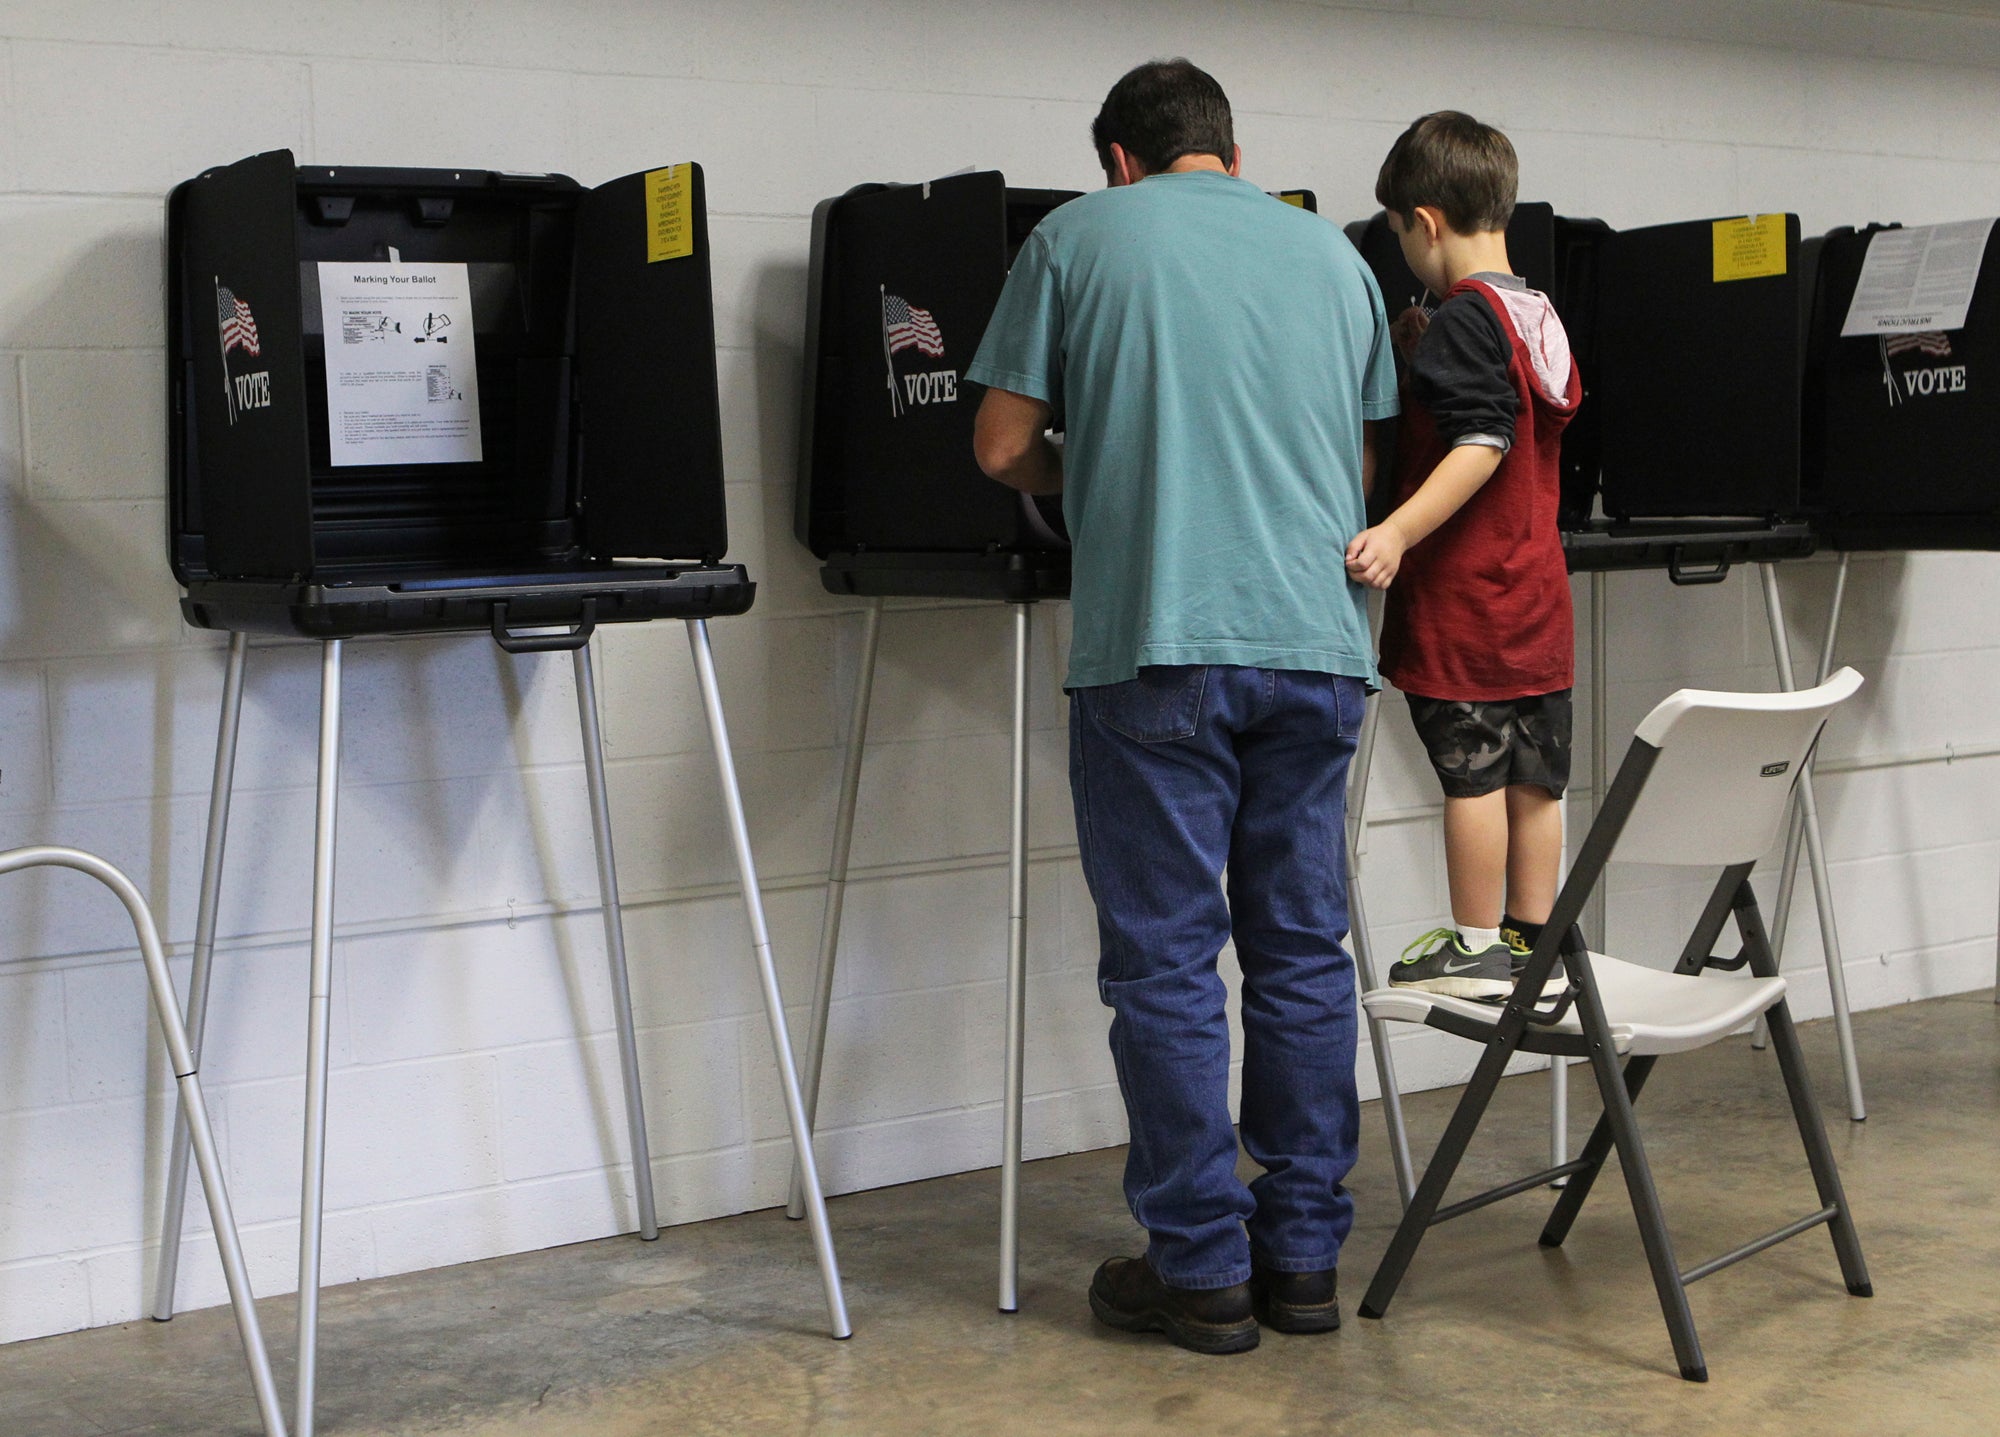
(1212, 352)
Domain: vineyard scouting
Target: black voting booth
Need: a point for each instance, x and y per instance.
(597, 410)
(903, 281)
(1899, 445)
(595, 495)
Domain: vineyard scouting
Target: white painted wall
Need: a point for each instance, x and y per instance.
(474, 1107)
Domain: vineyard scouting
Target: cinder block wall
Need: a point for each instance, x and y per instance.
(474, 1090)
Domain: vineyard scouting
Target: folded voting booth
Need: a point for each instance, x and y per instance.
(903, 280)
(1905, 339)
(427, 400)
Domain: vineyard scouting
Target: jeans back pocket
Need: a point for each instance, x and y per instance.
(1161, 704)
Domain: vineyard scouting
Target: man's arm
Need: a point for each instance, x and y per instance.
(1010, 440)
(1377, 553)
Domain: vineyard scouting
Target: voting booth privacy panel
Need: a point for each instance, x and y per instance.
(438, 399)
(1902, 362)
(902, 283)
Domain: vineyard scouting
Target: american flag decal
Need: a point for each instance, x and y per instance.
(910, 328)
(239, 326)
(1931, 341)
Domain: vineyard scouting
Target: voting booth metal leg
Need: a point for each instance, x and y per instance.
(1815, 849)
(767, 972)
(1017, 982)
(312, 1194)
(204, 954)
(614, 941)
(1364, 951)
(836, 886)
(199, 1133)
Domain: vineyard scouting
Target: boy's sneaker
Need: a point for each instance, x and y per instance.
(1444, 965)
(1521, 948)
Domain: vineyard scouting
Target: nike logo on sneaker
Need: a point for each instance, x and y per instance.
(1461, 967)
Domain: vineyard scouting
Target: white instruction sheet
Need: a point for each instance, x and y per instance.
(1917, 279)
(401, 384)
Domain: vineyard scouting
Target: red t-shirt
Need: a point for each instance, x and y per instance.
(1480, 610)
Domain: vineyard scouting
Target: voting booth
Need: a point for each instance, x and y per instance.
(1904, 349)
(412, 399)
(902, 283)
(425, 400)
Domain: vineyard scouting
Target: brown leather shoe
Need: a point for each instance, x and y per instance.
(1296, 1301)
(1127, 1294)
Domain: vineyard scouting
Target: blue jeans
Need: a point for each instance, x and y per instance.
(1176, 774)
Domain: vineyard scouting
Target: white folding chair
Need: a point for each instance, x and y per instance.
(1707, 781)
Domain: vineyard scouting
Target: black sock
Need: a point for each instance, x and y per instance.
(1531, 933)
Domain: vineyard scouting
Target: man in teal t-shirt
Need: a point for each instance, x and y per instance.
(1217, 359)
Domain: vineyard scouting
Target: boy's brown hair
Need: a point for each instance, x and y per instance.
(1452, 162)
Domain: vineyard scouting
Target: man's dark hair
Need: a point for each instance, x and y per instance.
(1451, 161)
(1161, 111)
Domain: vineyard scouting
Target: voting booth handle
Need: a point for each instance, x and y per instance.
(575, 638)
(1679, 571)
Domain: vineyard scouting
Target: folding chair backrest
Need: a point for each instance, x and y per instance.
(1717, 793)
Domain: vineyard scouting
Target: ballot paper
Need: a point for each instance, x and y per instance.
(1917, 279)
(401, 383)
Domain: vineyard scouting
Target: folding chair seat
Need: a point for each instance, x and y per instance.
(1707, 781)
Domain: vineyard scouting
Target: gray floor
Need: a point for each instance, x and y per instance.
(716, 1328)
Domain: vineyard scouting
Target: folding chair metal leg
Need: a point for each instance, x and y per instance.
(312, 1199)
(1364, 951)
(1595, 1149)
(767, 972)
(614, 941)
(1805, 1107)
(836, 884)
(1645, 1197)
(1017, 982)
(1437, 1177)
(180, 1054)
(220, 788)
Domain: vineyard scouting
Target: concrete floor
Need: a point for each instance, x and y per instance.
(717, 1327)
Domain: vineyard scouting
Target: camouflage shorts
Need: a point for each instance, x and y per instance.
(1480, 748)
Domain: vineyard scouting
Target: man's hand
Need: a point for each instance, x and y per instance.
(1375, 555)
(1406, 329)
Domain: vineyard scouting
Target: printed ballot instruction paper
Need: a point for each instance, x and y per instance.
(1917, 279)
(401, 385)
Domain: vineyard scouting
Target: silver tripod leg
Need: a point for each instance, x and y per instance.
(1364, 950)
(1795, 828)
(1017, 983)
(1836, 973)
(219, 790)
(180, 1053)
(836, 886)
(774, 1003)
(312, 1196)
(614, 941)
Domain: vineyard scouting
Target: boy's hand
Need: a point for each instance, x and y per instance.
(1375, 555)
(1406, 329)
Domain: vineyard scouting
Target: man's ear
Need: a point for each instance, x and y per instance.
(1430, 220)
(1125, 169)
(1236, 161)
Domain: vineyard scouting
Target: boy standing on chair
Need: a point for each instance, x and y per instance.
(1477, 631)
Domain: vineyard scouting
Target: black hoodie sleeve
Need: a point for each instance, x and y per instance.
(1460, 373)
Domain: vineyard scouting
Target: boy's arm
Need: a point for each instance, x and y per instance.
(1375, 554)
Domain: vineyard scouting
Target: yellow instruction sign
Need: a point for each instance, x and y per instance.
(1293, 197)
(1749, 248)
(669, 213)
